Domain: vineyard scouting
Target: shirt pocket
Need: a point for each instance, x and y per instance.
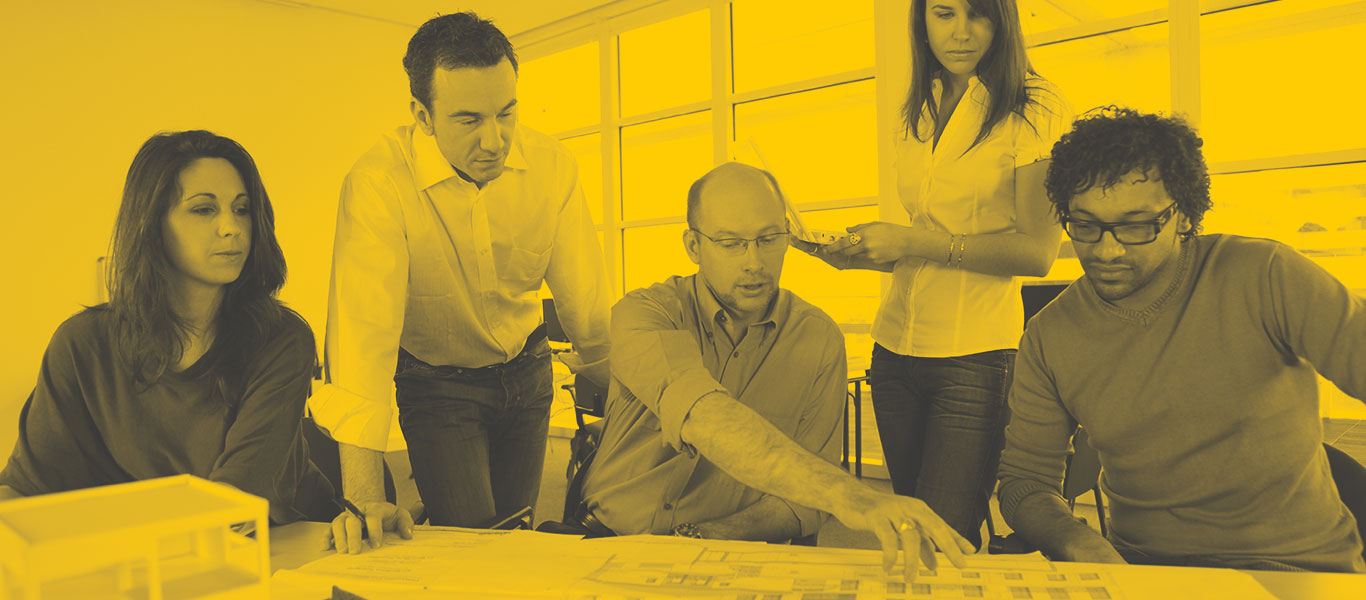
(526, 269)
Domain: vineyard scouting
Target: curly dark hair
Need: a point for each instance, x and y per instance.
(1110, 142)
(453, 41)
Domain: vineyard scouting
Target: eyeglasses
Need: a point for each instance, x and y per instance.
(1131, 233)
(735, 246)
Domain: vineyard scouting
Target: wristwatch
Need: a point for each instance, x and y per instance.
(688, 530)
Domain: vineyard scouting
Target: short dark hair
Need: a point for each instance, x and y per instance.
(1110, 142)
(695, 192)
(150, 336)
(452, 42)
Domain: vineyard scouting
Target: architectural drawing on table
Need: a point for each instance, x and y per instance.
(173, 537)
(797, 575)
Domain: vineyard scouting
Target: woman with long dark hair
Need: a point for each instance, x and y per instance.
(193, 366)
(977, 128)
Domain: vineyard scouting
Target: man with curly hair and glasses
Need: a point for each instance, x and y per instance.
(1190, 360)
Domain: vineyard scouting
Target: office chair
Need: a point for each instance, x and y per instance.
(1350, 478)
(1082, 475)
(590, 400)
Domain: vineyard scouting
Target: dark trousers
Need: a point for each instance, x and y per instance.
(476, 436)
(942, 423)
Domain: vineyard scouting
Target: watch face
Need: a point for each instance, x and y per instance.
(688, 530)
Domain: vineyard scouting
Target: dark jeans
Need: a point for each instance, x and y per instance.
(942, 423)
(476, 437)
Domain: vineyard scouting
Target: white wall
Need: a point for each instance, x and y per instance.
(83, 83)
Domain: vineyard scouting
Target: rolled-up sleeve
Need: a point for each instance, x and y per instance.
(819, 428)
(365, 308)
(577, 277)
(1039, 437)
(657, 360)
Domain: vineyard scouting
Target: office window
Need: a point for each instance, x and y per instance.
(1319, 210)
(776, 43)
(1041, 16)
(654, 254)
(666, 64)
(1282, 78)
(1276, 96)
(1129, 68)
(820, 144)
(562, 91)
(659, 160)
(841, 294)
(587, 150)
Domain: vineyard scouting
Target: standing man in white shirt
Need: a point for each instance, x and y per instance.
(445, 231)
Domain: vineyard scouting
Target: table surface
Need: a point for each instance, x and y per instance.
(296, 544)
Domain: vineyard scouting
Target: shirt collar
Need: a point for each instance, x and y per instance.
(713, 314)
(937, 87)
(430, 167)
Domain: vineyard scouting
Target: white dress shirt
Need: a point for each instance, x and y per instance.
(426, 260)
(931, 309)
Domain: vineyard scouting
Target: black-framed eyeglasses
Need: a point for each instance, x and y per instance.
(1129, 233)
(736, 246)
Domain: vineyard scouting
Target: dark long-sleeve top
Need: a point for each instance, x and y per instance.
(88, 423)
(1203, 406)
(669, 350)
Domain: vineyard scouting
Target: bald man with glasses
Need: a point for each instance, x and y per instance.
(724, 415)
(1190, 360)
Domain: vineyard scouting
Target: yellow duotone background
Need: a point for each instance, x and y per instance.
(307, 87)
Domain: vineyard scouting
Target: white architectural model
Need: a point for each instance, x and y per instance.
(174, 537)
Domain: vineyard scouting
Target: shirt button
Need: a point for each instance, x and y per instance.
(668, 506)
(736, 355)
(485, 251)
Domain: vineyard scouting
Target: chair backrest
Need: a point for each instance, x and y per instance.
(589, 397)
(1083, 468)
(1350, 478)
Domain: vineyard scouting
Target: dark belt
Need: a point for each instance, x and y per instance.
(537, 334)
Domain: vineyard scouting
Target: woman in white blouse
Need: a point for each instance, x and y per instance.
(971, 156)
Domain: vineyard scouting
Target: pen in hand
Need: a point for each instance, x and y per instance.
(351, 508)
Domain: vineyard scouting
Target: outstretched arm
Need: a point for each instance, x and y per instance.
(768, 520)
(750, 449)
(656, 357)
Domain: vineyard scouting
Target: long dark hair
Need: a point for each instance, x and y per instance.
(148, 334)
(1004, 69)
